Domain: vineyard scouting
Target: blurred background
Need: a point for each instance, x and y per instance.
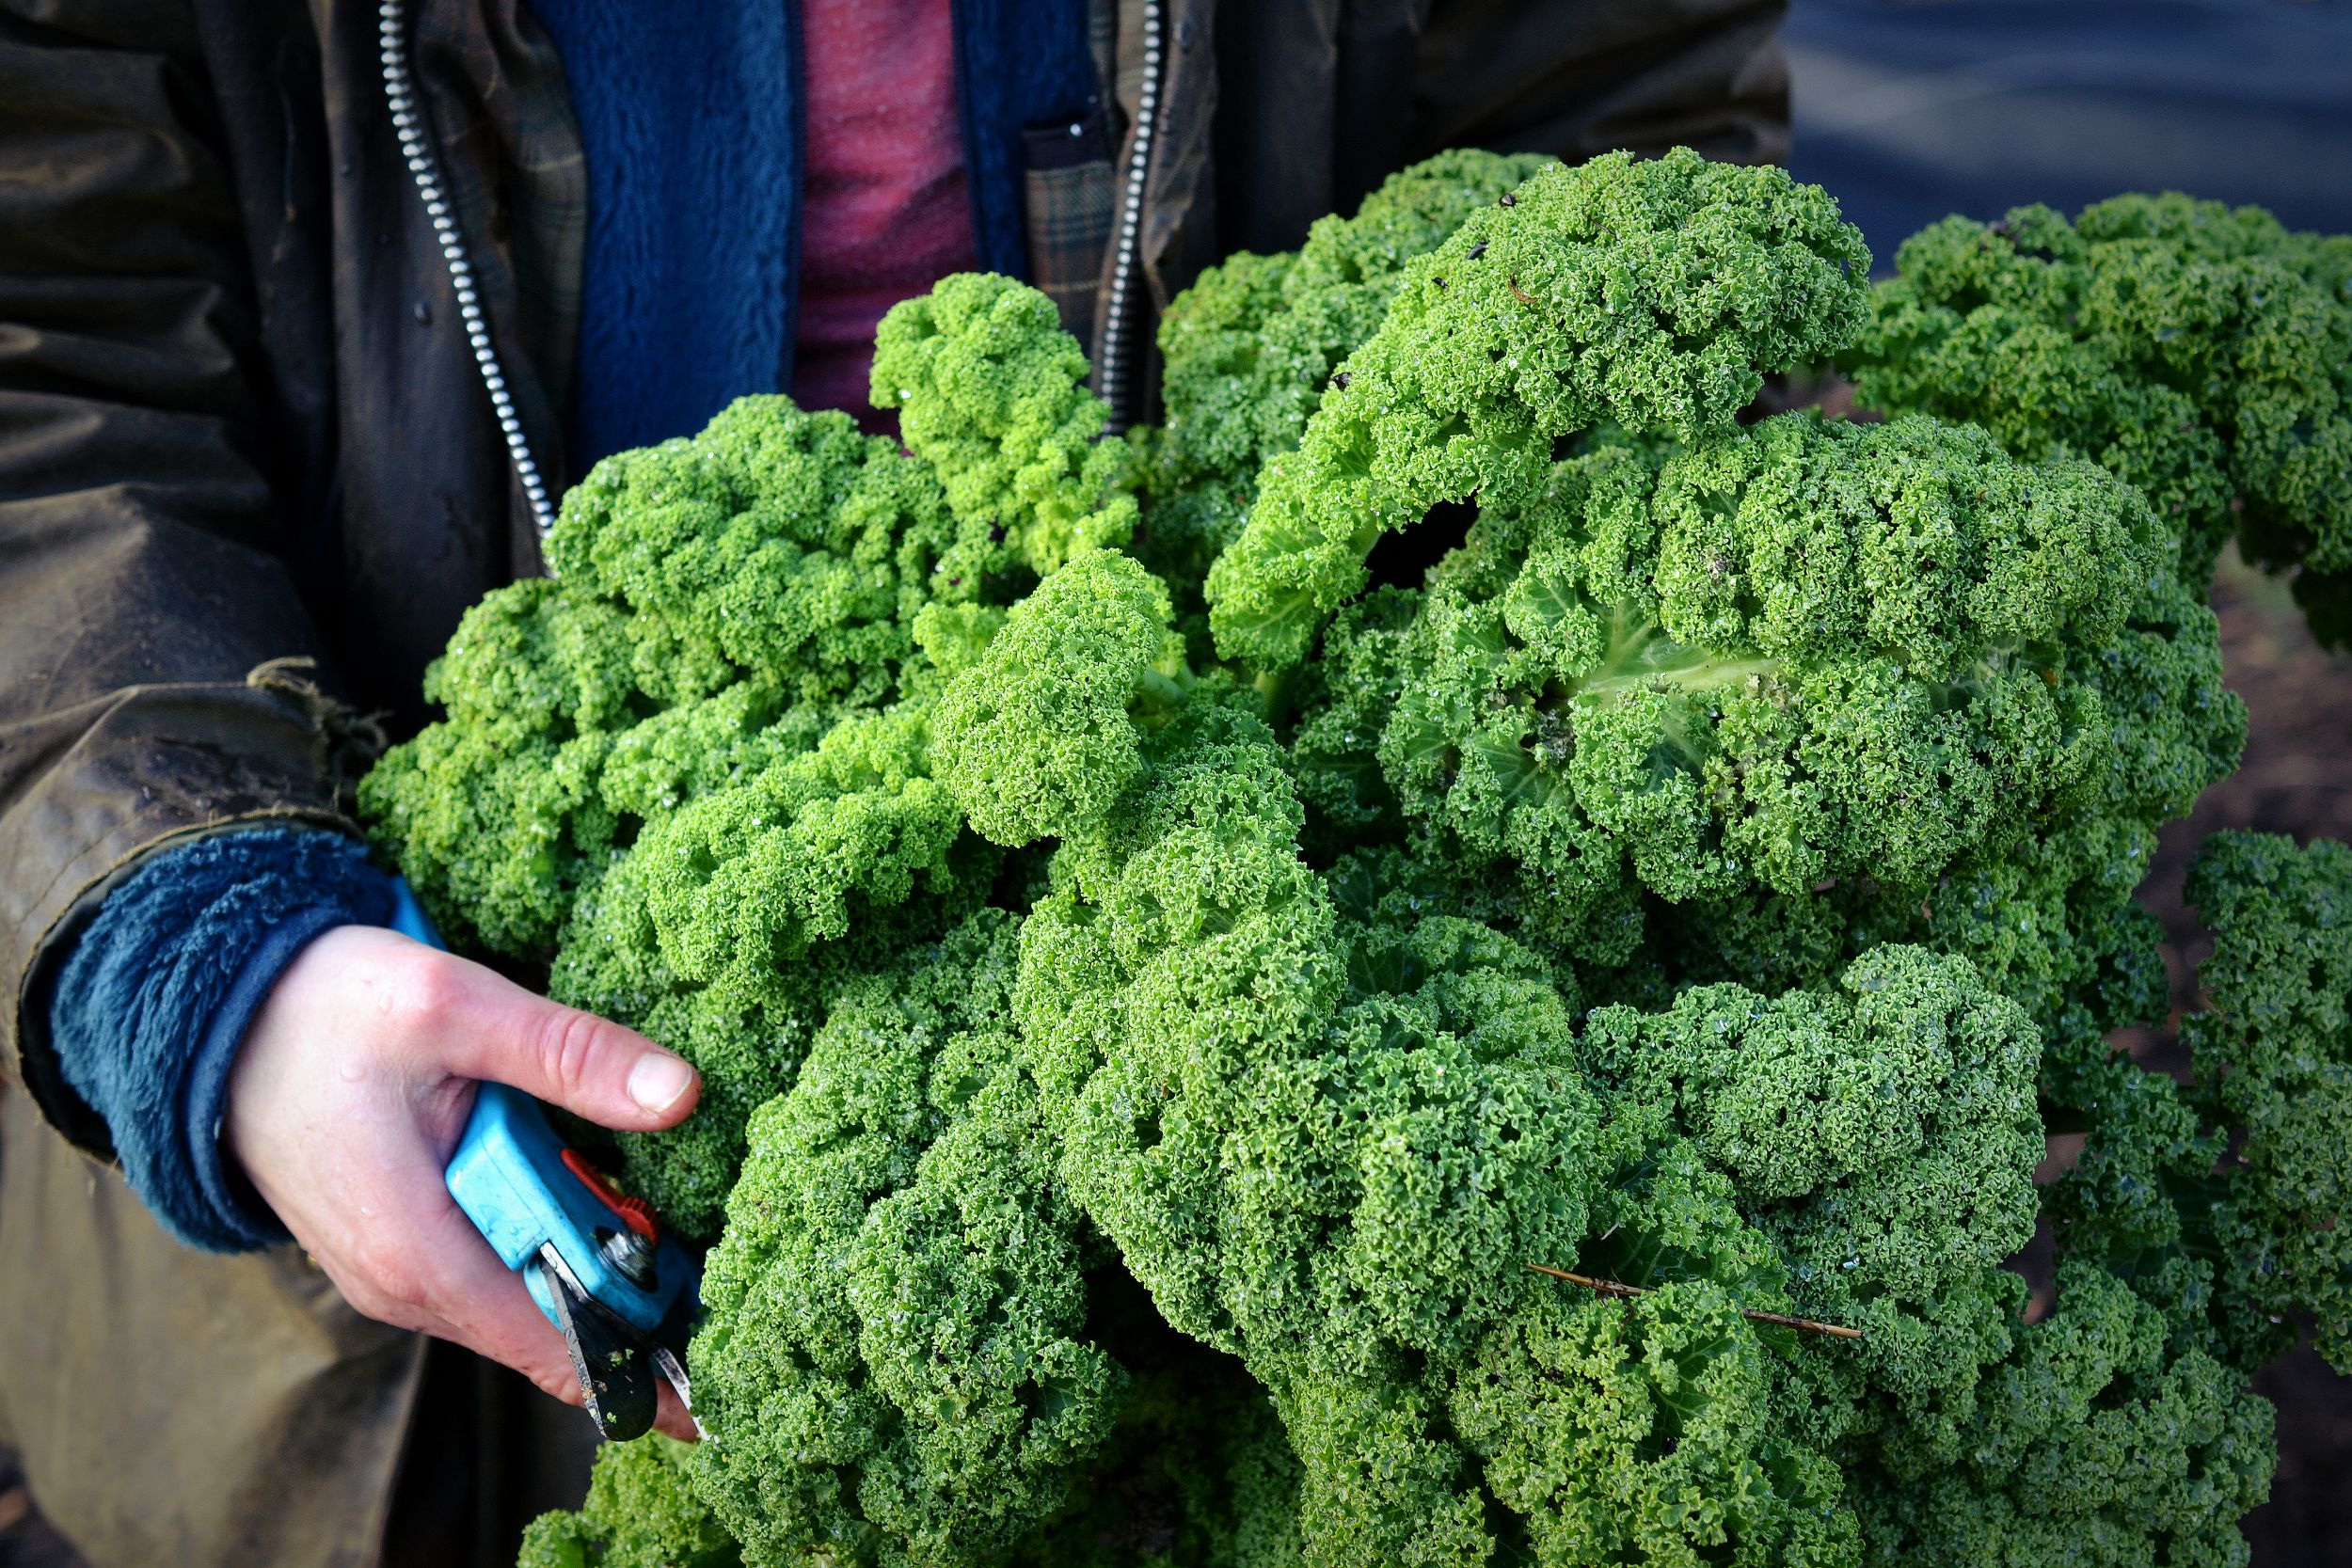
(1910, 110)
(1907, 110)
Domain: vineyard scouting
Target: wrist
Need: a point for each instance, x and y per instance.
(219, 1173)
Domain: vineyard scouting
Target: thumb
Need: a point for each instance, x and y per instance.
(590, 1066)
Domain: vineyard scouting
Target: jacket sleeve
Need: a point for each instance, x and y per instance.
(1578, 77)
(149, 633)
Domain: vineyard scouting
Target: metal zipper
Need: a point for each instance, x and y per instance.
(425, 174)
(1111, 366)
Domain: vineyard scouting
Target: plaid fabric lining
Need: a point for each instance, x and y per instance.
(1068, 189)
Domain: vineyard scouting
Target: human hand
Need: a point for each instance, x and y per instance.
(348, 1097)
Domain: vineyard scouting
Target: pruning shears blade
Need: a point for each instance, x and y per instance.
(615, 1365)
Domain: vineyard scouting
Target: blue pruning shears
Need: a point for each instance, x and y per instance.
(602, 1267)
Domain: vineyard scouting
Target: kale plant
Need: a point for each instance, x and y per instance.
(1213, 1059)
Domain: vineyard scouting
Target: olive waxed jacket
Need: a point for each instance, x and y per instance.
(251, 471)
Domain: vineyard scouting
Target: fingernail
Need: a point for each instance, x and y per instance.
(658, 1079)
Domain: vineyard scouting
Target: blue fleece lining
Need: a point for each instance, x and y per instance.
(690, 115)
(153, 1002)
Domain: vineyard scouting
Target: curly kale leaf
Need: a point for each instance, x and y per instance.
(2224, 1203)
(1647, 294)
(2202, 354)
(890, 1368)
(2002, 805)
(1318, 1179)
(1806, 651)
(640, 1513)
(1339, 1169)
(1642, 1431)
(495, 814)
(2097, 1444)
(741, 883)
(724, 929)
(1034, 737)
(718, 599)
(1881, 1141)
(1196, 1470)
(987, 386)
(1250, 347)
(2273, 1055)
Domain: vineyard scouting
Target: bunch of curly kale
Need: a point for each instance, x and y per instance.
(1160, 989)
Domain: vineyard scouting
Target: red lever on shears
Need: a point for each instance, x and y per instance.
(635, 1212)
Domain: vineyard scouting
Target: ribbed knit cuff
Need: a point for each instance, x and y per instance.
(153, 1003)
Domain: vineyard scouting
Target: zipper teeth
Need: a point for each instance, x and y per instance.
(1114, 357)
(425, 174)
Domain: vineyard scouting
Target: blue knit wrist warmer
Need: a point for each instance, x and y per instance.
(155, 998)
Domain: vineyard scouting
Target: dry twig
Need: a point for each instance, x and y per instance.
(1611, 1288)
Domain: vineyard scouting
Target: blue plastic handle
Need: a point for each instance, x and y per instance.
(509, 1177)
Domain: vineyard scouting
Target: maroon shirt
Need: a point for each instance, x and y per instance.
(884, 211)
